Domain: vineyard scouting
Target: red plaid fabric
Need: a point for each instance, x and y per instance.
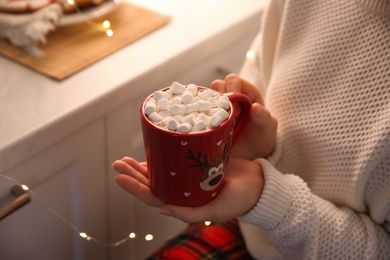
(201, 242)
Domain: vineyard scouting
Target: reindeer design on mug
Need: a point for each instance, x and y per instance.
(214, 171)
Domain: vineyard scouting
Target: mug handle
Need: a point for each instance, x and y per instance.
(244, 117)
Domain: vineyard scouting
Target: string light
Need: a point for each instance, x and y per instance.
(250, 55)
(109, 33)
(207, 223)
(149, 237)
(83, 235)
(106, 24)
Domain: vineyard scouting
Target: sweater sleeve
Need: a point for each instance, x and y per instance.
(301, 225)
(285, 213)
(293, 214)
(250, 69)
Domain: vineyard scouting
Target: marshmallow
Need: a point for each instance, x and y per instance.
(187, 97)
(213, 101)
(215, 121)
(169, 93)
(199, 126)
(178, 117)
(214, 110)
(206, 94)
(223, 114)
(163, 104)
(173, 125)
(218, 118)
(176, 100)
(157, 95)
(193, 88)
(150, 106)
(184, 128)
(164, 113)
(196, 99)
(166, 121)
(189, 119)
(204, 118)
(155, 117)
(224, 102)
(193, 107)
(177, 109)
(204, 105)
(177, 88)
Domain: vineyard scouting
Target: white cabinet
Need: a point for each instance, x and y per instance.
(69, 178)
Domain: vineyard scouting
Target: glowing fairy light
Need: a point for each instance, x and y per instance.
(132, 235)
(250, 55)
(207, 223)
(25, 187)
(85, 236)
(109, 32)
(149, 237)
(71, 2)
(106, 24)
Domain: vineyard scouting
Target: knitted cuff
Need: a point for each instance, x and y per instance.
(274, 201)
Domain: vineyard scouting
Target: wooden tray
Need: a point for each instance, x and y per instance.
(70, 49)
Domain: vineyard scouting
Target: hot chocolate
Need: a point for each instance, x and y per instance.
(187, 108)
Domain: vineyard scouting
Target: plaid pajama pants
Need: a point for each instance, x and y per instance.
(201, 242)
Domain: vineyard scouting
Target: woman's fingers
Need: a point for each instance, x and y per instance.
(138, 166)
(138, 189)
(234, 83)
(133, 169)
(262, 116)
(133, 178)
(218, 85)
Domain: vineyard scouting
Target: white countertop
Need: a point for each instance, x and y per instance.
(37, 111)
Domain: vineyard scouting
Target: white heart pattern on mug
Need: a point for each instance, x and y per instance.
(219, 143)
(184, 143)
(214, 194)
(187, 194)
(173, 173)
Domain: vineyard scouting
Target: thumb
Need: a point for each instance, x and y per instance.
(260, 115)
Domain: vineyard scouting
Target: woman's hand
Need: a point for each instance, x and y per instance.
(242, 189)
(259, 137)
(134, 179)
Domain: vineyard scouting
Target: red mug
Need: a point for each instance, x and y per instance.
(187, 169)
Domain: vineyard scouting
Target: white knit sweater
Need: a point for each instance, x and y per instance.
(325, 68)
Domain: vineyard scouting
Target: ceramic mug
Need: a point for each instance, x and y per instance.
(188, 168)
